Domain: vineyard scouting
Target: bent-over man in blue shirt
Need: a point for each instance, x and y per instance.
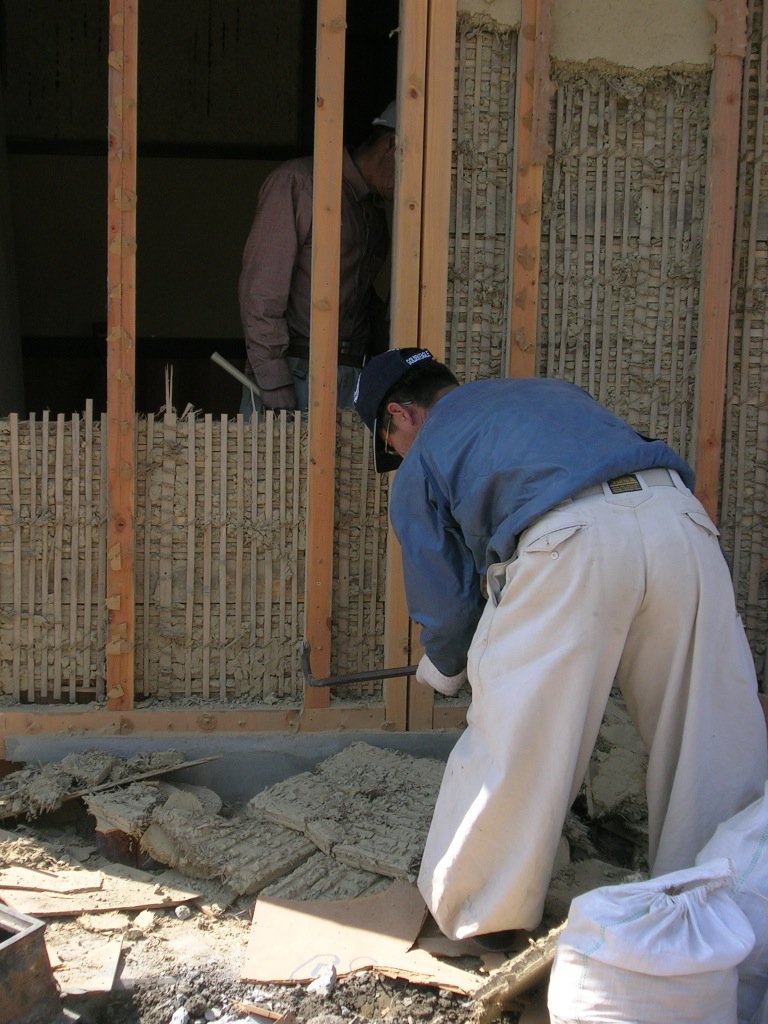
(601, 568)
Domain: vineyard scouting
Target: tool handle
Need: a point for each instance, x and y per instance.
(234, 372)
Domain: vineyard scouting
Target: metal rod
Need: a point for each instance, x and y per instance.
(362, 676)
(234, 372)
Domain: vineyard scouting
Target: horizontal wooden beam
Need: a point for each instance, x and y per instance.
(61, 722)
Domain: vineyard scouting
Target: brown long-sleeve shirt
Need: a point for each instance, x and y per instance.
(274, 287)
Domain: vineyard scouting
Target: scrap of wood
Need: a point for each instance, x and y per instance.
(519, 974)
(289, 1017)
(141, 775)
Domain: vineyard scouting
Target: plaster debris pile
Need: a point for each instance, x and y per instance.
(360, 818)
(35, 790)
(348, 827)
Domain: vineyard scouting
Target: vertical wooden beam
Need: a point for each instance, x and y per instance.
(534, 90)
(436, 201)
(717, 261)
(438, 119)
(406, 279)
(406, 230)
(121, 351)
(324, 333)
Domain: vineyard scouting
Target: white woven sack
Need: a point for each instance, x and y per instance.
(761, 1017)
(654, 952)
(743, 839)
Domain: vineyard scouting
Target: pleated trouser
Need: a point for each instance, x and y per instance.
(629, 590)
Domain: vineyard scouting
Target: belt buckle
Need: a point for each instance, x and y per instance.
(624, 484)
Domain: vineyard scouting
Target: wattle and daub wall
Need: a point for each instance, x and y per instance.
(220, 530)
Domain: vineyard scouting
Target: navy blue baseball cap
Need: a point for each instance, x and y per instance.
(376, 380)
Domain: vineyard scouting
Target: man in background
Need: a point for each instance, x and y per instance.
(274, 287)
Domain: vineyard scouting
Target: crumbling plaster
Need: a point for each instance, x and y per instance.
(638, 34)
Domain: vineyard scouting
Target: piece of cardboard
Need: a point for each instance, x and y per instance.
(123, 888)
(94, 970)
(44, 881)
(294, 941)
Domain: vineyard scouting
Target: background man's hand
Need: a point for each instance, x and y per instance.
(279, 398)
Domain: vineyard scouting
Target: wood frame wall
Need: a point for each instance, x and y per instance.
(425, 80)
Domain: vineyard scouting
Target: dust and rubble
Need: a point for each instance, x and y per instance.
(109, 853)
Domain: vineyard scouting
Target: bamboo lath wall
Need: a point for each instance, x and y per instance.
(621, 260)
(481, 203)
(52, 558)
(744, 506)
(220, 549)
(221, 505)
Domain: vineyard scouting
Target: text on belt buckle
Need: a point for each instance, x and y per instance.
(624, 484)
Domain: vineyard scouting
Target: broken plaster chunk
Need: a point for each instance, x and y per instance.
(324, 984)
(127, 809)
(34, 790)
(293, 801)
(246, 854)
(146, 761)
(187, 795)
(89, 767)
(107, 922)
(321, 877)
(145, 921)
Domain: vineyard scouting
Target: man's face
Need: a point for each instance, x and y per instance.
(401, 423)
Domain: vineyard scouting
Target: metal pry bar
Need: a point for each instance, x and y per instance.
(364, 676)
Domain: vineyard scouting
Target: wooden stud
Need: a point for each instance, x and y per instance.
(121, 350)
(438, 118)
(717, 261)
(440, 50)
(324, 332)
(58, 546)
(16, 510)
(32, 568)
(533, 95)
(406, 286)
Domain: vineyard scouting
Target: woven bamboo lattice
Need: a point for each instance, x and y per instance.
(220, 505)
(52, 558)
(481, 203)
(621, 247)
(219, 560)
(744, 505)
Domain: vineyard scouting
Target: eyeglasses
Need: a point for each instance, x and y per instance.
(387, 449)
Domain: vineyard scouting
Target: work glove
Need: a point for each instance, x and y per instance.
(449, 686)
(279, 398)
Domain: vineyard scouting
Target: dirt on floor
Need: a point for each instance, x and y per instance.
(166, 957)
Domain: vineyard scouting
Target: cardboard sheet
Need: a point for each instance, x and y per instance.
(294, 941)
(122, 888)
(93, 970)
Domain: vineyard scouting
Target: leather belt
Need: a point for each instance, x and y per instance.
(628, 482)
(298, 348)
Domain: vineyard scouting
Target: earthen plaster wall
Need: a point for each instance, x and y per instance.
(656, 33)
